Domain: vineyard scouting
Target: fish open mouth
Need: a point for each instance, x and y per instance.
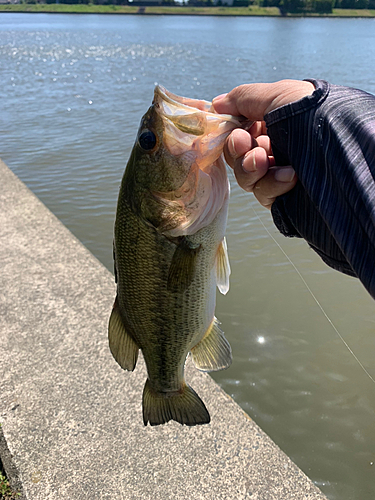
(193, 125)
(192, 131)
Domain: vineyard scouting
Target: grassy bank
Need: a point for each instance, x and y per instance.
(181, 10)
(125, 9)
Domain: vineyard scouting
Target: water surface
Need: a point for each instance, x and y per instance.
(73, 90)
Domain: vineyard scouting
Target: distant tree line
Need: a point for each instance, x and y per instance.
(285, 6)
(319, 6)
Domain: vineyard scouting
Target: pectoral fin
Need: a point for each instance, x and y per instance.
(182, 268)
(222, 268)
(213, 352)
(121, 344)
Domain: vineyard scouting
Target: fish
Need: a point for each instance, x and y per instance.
(170, 254)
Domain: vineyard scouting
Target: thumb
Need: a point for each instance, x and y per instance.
(249, 100)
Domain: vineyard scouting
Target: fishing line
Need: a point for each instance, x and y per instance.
(314, 297)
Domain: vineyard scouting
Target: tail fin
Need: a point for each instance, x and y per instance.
(185, 407)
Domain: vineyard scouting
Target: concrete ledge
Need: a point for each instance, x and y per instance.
(71, 418)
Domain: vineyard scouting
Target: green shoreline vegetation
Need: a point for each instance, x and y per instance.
(6, 492)
(251, 10)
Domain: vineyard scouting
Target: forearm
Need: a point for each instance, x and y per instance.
(329, 139)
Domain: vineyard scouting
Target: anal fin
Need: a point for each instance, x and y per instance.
(122, 346)
(213, 352)
(184, 406)
(222, 267)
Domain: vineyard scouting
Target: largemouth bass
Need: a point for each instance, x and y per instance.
(170, 254)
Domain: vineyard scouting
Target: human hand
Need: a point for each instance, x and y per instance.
(250, 153)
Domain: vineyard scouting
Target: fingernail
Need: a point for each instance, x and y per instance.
(218, 98)
(251, 165)
(285, 174)
(231, 148)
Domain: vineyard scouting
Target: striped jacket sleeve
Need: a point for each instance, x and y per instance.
(329, 139)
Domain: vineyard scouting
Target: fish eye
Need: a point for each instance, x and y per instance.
(147, 140)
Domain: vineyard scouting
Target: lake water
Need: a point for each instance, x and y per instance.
(73, 90)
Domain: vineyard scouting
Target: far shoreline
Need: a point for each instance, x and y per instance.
(251, 11)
